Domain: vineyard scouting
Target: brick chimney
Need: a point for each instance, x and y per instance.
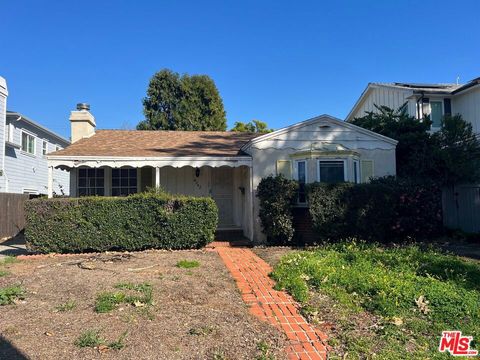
(82, 123)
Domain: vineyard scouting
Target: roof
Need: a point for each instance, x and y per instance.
(18, 115)
(145, 143)
(321, 118)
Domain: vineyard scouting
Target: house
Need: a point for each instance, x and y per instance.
(24, 145)
(435, 100)
(227, 166)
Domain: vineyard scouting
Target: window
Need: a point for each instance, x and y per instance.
(124, 181)
(331, 171)
(57, 148)
(356, 172)
(28, 143)
(436, 113)
(301, 172)
(44, 147)
(91, 182)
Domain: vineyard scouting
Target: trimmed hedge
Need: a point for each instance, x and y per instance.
(384, 210)
(136, 222)
(277, 195)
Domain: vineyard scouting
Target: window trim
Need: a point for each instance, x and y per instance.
(345, 172)
(356, 171)
(34, 143)
(44, 150)
(10, 129)
(87, 186)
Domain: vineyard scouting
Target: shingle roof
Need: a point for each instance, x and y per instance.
(427, 88)
(142, 143)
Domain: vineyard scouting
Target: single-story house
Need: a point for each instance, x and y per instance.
(227, 166)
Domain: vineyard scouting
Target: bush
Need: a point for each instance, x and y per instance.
(277, 195)
(384, 210)
(136, 222)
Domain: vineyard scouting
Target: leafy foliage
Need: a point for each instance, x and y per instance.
(136, 222)
(175, 102)
(9, 294)
(133, 294)
(89, 338)
(277, 195)
(384, 210)
(188, 264)
(414, 293)
(255, 126)
(447, 157)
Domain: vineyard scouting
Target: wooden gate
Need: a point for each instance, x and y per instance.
(12, 215)
(461, 208)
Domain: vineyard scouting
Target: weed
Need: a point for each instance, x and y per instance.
(201, 330)
(68, 306)
(4, 273)
(188, 264)
(108, 301)
(7, 260)
(264, 349)
(89, 338)
(119, 343)
(9, 294)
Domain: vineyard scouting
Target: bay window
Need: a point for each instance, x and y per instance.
(332, 171)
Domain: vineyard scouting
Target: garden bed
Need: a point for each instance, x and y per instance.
(142, 305)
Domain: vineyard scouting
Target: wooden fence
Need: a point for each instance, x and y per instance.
(12, 215)
(461, 208)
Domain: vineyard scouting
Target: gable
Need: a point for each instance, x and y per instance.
(319, 133)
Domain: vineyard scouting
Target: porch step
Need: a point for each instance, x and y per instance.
(234, 236)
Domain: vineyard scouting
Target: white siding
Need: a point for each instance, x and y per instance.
(387, 96)
(26, 172)
(468, 105)
(3, 109)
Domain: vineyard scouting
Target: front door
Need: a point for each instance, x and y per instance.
(222, 193)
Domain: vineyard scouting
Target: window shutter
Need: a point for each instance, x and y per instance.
(366, 170)
(447, 105)
(284, 167)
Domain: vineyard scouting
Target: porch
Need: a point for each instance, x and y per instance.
(227, 181)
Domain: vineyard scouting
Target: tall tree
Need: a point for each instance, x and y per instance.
(175, 102)
(254, 126)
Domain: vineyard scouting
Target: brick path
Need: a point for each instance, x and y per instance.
(276, 307)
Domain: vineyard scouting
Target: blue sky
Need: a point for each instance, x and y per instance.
(277, 61)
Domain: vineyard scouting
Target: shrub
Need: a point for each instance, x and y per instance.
(383, 210)
(136, 222)
(277, 195)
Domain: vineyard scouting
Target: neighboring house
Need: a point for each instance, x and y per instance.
(24, 145)
(227, 166)
(435, 100)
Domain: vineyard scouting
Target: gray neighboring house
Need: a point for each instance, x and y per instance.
(24, 145)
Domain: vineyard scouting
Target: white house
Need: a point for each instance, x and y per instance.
(435, 100)
(24, 145)
(227, 166)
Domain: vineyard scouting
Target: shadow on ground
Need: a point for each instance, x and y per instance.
(8, 351)
(14, 246)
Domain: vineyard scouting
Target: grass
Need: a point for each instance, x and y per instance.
(188, 264)
(91, 338)
(133, 294)
(264, 349)
(7, 260)
(9, 294)
(4, 273)
(67, 306)
(414, 293)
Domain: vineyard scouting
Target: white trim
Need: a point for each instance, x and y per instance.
(356, 168)
(345, 173)
(321, 118)
(44, 141)
(28, 133)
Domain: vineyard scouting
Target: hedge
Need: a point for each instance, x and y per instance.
(384, 210)
(136, 222)
(276, 195)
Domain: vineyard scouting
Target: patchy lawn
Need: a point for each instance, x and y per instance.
(391, 302)
(141, 305)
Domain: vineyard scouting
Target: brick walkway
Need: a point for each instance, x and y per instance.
(276, 307)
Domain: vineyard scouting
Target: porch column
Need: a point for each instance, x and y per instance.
(250, 205)
(157, 177)
(50, 182)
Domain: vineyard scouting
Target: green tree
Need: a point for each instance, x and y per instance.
(175, 102)
(458, 151)
(416, 150)
(254, 126)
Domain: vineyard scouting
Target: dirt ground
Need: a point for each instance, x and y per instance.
(197, 313)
